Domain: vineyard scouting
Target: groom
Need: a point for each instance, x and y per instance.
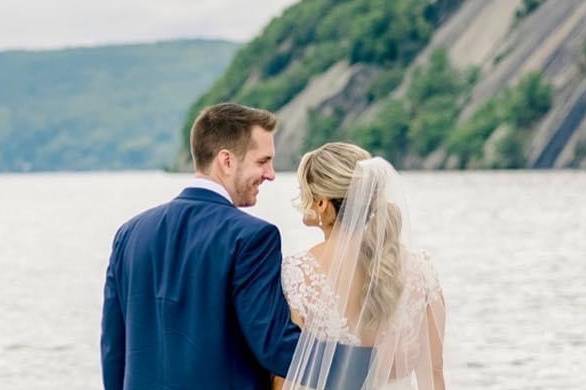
(193, 297)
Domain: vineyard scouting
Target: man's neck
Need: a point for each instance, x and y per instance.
(213, 178)
(201, 175)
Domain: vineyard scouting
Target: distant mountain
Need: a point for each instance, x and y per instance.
(110, 107)
(432, 84)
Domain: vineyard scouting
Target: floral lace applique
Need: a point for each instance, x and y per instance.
(310, 295)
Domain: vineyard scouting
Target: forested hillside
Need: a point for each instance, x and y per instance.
(111, 107)
(425, 83)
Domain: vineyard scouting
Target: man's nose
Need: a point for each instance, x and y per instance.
(270, 173)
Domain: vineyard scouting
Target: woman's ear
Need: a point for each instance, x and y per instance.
(322, 205)
(330, 214)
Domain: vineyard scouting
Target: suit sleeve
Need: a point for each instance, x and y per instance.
(113, 334)
(262, 311)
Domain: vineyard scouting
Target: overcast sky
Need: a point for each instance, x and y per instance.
(36, 24)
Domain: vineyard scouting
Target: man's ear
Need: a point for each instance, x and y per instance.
(225, 160)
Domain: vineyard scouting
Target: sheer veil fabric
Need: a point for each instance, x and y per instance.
(385, 293)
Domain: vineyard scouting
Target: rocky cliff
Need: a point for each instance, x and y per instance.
(362, 85)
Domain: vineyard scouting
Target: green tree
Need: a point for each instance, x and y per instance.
(387, 135)
(519, 107)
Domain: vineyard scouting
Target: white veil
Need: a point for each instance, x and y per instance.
(387, 293)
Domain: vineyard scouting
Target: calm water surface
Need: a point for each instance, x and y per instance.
(510, 249)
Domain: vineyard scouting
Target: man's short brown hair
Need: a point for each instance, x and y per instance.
(226, 126)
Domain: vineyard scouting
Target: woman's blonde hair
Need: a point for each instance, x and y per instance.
(327, 172)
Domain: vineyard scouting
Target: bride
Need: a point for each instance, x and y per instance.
(371, 307)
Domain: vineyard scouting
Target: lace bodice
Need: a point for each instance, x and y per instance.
(309, 295)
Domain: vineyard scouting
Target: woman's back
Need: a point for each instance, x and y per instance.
(312, 298)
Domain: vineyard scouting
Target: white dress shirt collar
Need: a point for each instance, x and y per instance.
(207, 184)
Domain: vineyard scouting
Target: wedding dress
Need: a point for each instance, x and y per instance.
(337, 350)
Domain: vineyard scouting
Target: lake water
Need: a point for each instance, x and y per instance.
(510, 248)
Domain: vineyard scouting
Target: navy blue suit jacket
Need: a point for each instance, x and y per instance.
(193, 300)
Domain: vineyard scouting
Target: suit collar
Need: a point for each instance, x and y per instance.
(208, 184)
(204, 195)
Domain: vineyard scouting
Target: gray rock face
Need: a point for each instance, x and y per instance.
(551, 40)
(338, 87)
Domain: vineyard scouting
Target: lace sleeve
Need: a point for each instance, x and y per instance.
(432, 285)
(293, 279)
(429, 367)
